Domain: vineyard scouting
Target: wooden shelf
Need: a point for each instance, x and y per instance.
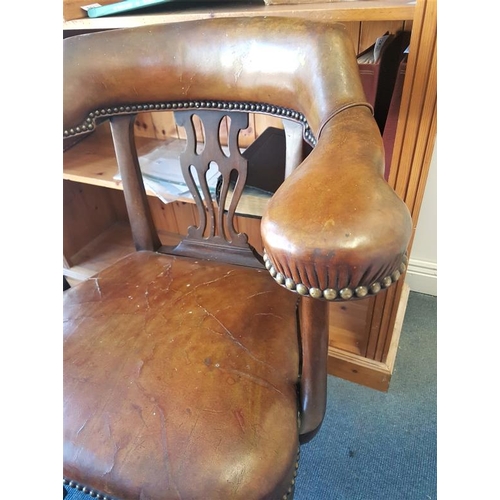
(74, 18)
(109, 246)
(92, 160)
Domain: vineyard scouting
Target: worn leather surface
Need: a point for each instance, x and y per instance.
(180, 381)
(335, 222)
(289, 62)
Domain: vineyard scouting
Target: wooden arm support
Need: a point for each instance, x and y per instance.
(334, 230)
(313, 324)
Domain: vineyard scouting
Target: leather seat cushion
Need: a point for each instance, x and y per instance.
(180, 381)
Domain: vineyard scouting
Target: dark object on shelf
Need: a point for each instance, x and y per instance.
(391, 123)
(66, 285)
(131, 7)
(265, 173)
(266, 158)
(379, 75)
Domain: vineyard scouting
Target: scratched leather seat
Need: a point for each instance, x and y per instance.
(196, 371)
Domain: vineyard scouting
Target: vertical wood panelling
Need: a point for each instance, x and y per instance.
(370, 307)
(384, 333)
(117, 200)
(417, 103)
(185, 215)
(157, 125)
(144, 126)
(370, 31)
(198, 130)
(164, 216)
(413, 147)
(347, 322)
(354, 30)
(388, 342)
(251, 227)
(164, 125)
(408, 25)
(248, 135)
(425, 138)
(88, 208)
(264, 121)
(375, 322)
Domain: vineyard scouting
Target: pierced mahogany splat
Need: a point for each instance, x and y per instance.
(216, 237)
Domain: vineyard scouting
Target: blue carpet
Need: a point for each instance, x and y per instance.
(374, 445)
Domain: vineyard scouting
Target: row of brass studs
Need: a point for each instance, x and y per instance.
(330, 293)
(89, 123)
(89, 491)
(292, 482)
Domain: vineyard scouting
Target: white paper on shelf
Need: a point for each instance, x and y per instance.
(162, 172)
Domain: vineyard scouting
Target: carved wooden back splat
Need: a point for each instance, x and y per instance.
(215, 237)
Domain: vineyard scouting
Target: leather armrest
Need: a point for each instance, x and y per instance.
(335, 229)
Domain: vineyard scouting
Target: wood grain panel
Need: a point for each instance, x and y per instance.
(164, 125)
(414, 143)
(408, 25)
(251, 227)
(384, 332)
(386, 351)
(417, 178)
(144, 126)
(164, 216)
(416, 124)
(105, 249)
(347, 322)
(370, 31)
(249, 134)
(87, 212)
(185, 215)
(354, 31)
(343, 11)
(365, 371)
(264, 121)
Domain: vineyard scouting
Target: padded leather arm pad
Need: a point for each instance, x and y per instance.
(335, 229)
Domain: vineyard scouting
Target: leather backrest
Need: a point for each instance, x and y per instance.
(286, 62)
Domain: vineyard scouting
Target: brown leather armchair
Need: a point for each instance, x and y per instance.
(196, 371)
